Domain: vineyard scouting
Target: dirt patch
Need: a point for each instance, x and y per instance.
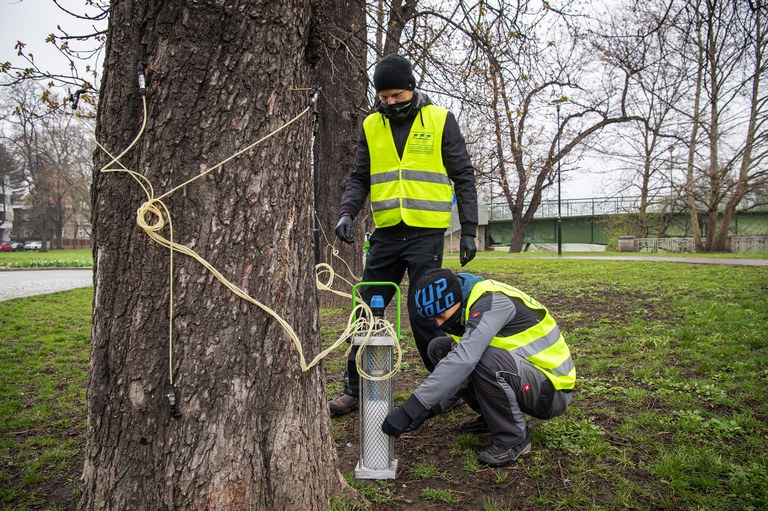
(437, 443)
(522, 486)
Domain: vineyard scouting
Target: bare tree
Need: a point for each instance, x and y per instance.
(78, 68)
(639, 39)
(68, 157)
(728, 43)
(25, 125)
(55, 150)
(518, 69)
(254, 431)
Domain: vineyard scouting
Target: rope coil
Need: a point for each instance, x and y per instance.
(151, 217)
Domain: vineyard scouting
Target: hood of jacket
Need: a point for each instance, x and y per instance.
(456, 325)
(466, 282)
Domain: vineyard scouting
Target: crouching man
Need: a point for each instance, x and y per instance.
(505, 357)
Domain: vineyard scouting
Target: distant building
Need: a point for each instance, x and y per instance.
(6, 214)
(76, 232)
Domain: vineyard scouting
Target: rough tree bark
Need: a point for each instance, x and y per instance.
(338, 51)
(254, 431)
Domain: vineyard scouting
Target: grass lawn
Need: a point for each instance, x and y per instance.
(669, 412)
(82, 257)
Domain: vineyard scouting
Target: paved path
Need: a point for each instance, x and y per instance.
(19, 283)
(689, 260)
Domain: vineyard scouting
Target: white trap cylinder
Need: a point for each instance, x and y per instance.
(377, 459)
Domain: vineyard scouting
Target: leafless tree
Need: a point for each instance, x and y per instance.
(338, 58)
(725, 50)
(55, 149)
(518, 69)
(78, 68)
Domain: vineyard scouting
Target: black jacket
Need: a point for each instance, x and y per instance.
(455, 158)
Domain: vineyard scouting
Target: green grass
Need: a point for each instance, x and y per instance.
(80, 258)
(43, 372)
(440, 495)
(669, 411)
(379, 492)
(429, 471)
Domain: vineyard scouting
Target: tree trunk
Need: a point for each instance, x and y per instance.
(400, 13)
(339, 53)
(254, 431)
(755, 99)
(518, 237)
(690, 185)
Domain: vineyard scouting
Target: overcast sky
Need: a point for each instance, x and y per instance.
(31, 21)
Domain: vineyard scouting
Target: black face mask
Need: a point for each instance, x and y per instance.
(453, 325)
(396, 111)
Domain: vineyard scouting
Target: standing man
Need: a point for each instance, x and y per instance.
(409, 154)
(506, 354)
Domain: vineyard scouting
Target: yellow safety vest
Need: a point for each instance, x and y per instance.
(415, 189)
(542, 344)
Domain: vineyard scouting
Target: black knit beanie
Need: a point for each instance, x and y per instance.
(437, 291)
(393, 72)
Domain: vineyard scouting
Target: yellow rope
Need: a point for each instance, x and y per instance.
(150, 217)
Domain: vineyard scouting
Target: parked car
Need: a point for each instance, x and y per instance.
(17, 247)
(6, 247)
(33, 245)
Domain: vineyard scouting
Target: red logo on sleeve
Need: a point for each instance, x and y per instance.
(475, 314)
(527, 387)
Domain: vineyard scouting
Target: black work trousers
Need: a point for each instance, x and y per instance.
(502, 388)
(387, 261)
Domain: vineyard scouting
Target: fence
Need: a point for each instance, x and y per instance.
(749, 244)
(664, 245)
(739, 245)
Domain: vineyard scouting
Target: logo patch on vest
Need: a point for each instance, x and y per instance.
(421, 143)
(475, 314)
(527, 387)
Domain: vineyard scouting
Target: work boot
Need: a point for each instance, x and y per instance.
(496, 456)
(343, 404)
(476, 425)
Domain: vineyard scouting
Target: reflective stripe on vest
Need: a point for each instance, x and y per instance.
(542, 344)
(415, 189)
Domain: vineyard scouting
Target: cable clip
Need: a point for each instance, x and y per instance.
(314, 94)
(142, 78)
(75, 98)
(171, 395)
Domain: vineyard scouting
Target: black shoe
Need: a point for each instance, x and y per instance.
(476, 425)
(343, 405)
(496, 456)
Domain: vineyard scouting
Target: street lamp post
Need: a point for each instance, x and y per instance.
(559, 219)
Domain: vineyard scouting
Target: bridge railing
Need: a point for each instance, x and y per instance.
(598, 206)
(571, 208)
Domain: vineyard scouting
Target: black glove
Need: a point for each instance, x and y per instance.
(418, 421)
(467, 248)
(405, 418)
(396, 422)
(344, 229)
